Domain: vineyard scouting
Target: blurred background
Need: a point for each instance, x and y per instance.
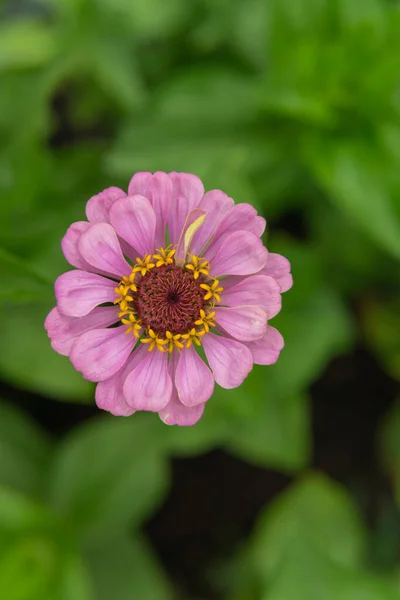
(289, 487)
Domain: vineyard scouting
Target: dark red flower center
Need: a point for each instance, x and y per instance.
(169, 299)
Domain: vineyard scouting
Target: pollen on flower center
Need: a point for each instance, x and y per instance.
(169, 299)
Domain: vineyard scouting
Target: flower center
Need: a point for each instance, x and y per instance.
(167, 305)
(169, 299)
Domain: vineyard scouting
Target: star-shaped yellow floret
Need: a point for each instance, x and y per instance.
(213, 290)
(164, 256)
(173, 341)
(193, 336)
(198, 266)
(143, 265)
(134, 325)
(206, 320)
(154, 341)
(125, 292)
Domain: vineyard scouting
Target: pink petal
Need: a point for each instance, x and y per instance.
(215, 203)
(100, 247)
(176, 413)
(110, 395)
(241, 253)
(161, 197)
(230, 361)
(185, 238)
(148, 386)
(134, 220)
(97, 208)
(100, 353)
(188, 190)
(141, 184)
(69, 245)
(63, 330)
(255, 290)
(193, 379)
(158, 189)
(245, 323)
(266, 350)
(78, 292)
(278, 267)
(241, 217)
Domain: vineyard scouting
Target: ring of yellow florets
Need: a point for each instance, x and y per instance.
(167, 305)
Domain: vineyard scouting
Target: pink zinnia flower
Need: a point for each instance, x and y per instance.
(160, 272)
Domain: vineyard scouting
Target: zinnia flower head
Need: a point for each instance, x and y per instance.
(160, 272)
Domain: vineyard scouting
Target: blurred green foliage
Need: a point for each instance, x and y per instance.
(292, 105)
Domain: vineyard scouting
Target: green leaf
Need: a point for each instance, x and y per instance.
(315, 514)
(37, 561)
(124, 568)
(19, 513)
(355, 178)
(27, 569)
(108, 474)
(192, 123)
(24, 452)
(354, 14)
(31, 363)
(309, 544)
(74, 580)
(20, 281)
(310, 575)
(355, 264)
(26, 44)
(265, 427)
(117, 73)
(314, 332)
(205, 95)
(153, 19)
(299, 16)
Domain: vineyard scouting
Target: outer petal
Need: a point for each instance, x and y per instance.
(230, 361)
(109, 393)
(241, 253)
(176, 413)
(100, 247)
(245, 323)
(188, 190)
(148, 386)
(240, 217)
(69, 245)
(278, 267)
(134, 220)
(97, 208)
(100, 353)
(158, 189)
(215, 203)
(193, 379)
(141, 184)
(255, 290)
(63, 330)
(266, 350)
(78, 292)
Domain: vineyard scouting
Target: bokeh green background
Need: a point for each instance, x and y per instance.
(293, 106)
